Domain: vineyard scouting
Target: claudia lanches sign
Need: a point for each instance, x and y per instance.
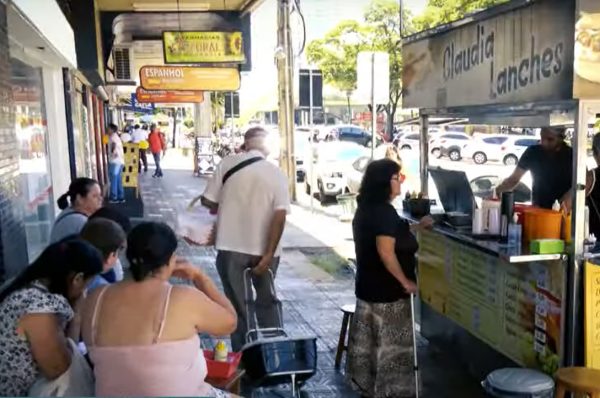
(523, 55)
(157, 78)
(586, 83)
(203, 47)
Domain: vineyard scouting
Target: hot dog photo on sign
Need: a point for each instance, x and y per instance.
(587, 50)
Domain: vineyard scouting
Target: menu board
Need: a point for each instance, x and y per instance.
(515, 308)
(592, 315)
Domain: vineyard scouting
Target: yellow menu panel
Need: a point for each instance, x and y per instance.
(592, 315)
(515, 308)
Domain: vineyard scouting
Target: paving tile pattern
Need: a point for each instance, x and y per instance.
(310, 307)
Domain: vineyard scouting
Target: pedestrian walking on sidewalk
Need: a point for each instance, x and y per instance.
(157, 146)
(380, 346)
(140, 137)
(115, 165)
(252, 201)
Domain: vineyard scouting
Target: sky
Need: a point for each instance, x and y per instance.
(259, 87)
(416, 6)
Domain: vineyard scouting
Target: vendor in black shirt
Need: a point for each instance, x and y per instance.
(550, 164)
(380, 352)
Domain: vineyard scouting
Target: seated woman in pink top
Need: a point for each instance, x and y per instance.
(142, 335)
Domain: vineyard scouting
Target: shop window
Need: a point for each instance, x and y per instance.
(36, 199)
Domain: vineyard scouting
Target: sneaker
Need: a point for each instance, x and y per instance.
(113, 201)
(121, 201)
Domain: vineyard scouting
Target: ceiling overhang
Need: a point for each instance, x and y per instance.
(176, 5)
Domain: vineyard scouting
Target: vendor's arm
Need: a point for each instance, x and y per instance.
(511, 182)
(386, 250)
(526, 163)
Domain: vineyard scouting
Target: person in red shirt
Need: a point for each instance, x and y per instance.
(157, 144)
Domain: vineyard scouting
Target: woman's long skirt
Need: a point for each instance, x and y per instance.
(380, 360)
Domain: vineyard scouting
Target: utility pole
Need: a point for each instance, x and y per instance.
(285, 62)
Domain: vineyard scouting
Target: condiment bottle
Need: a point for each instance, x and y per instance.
(515, 231)
(556, 206)
(221, 351)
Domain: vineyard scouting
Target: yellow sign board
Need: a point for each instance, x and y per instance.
(203, 47)
(514, 308)
(189, 78)
(592, 315)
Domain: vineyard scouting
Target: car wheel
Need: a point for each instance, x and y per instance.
(479, 158)
(323, 198)
(454, 155)
(436, 152)
(405, 147)
(510, 160)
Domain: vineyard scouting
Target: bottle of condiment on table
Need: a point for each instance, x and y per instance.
(556, 206)
(221, 352)
(515, 232)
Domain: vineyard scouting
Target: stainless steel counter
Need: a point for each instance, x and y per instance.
(508, 253)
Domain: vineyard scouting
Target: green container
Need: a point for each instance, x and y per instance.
(547, 246)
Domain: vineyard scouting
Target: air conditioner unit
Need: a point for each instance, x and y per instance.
(122, 59)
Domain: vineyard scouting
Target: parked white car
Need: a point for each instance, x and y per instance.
(331, 162)
(449, 144)
(507, 149)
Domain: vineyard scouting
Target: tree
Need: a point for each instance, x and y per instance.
(440, 12)
(336, 54)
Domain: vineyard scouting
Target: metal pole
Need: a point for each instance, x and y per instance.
(424, 155)
(286, 95)
(575, 274)
(310, 123)
(373, 108)
(232, 114)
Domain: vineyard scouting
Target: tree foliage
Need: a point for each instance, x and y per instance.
(440, 12)
(336, 54)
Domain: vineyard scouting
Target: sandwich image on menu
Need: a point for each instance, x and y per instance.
(587, 47)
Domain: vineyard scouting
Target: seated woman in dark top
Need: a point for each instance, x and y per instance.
(380, 353)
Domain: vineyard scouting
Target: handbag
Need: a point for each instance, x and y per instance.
(77, 381)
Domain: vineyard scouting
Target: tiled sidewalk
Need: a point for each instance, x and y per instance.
(311, 299)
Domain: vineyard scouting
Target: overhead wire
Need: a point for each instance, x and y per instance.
(296, 8)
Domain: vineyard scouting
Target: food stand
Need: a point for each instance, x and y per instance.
(516, 64)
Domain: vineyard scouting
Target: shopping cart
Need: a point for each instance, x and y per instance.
(270, 357)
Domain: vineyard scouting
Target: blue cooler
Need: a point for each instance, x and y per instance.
(518, 383)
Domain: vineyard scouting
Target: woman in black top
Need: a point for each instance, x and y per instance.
(380, 350)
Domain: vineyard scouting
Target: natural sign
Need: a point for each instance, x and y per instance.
(189, 78)
(144, 96)
(512, 57)
(203, 47)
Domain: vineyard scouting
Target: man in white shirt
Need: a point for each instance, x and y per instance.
(140, 137)
(116, 161)
(252, 200)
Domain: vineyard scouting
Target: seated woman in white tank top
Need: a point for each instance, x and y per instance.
(142, 335)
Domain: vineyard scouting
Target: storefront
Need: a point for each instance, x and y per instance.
(36, 42)
(513, 65)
